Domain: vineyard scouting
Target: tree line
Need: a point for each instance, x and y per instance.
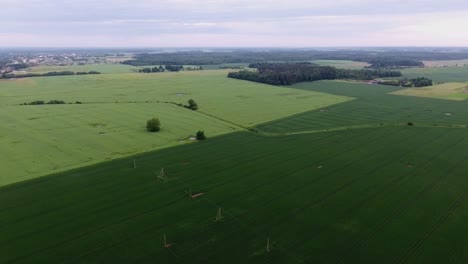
(381, 58)
(54, 73)
(415, 82)
(172, 68)
(291, 73)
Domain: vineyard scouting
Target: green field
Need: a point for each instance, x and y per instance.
(102, 68)
(373, 106)
(439, 74)
(449, 91)
(322, 172)
(317, 202)
(342, 64)
(37, 140)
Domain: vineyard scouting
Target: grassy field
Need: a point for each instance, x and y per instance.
(449, 91)
(439, 74)
(102, 68)
(446, 63)
(375, 105)
(38, 140)
(402, 200)
(342, 64)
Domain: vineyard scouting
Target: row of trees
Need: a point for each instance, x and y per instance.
(290, 73)
(173, 68)
(416, 82)
(54, 73)
(378, 58)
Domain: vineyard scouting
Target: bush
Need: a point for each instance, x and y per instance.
(38, 102)
(410, 124)
(192, 105)
(201, 135)
(153, 125)
(56, 102)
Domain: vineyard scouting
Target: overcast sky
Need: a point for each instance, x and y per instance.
(232, 23)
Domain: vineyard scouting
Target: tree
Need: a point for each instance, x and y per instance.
(192, 105)
(153, 125)
(201, 135)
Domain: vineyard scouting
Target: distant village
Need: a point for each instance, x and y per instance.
(18, 63)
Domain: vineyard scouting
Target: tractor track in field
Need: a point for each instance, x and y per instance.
(315, 201)
(364, 201)
(403, 208)
(442, 219)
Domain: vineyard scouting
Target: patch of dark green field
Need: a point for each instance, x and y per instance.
(381, 195)
(372, 106)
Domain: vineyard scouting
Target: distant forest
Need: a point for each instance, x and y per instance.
(377, 59)
(291, 73)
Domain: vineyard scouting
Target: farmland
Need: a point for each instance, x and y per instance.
(342, 64)
(110, 122)
(374, 106)
(317, 172)
(449, 91)
(439, 74)
(306, 192)
(102, 68)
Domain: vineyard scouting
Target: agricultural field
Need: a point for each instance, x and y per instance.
(439, 74)
(375, 105)
(342, 64)
(449, 91)
(318, 172)
(445, 63)
(110, 122)
(307, 195)
(102, 68)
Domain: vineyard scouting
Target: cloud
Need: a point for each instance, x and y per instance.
(233, 22)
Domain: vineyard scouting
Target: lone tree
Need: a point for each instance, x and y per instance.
(192, 105)
(201, 135)
(153, 125)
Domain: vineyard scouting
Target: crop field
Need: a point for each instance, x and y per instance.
(446, 63)
(102, 68)
(449, 91)
(321, 172)
(342, 64)
(38, 140)
(374, 105)
(439, 74)
(306, 194)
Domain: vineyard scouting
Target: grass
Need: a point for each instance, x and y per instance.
(102, 68)
(342, 64)
(439, 74)
(446, 63)
(374, 105)
(399, 201)
(38, 140)
(449, 91)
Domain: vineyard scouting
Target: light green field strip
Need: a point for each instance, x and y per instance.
(102, 68)
(342, 64)
(37, 140)
(439, 74)
(449, 91)
(242, 102)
